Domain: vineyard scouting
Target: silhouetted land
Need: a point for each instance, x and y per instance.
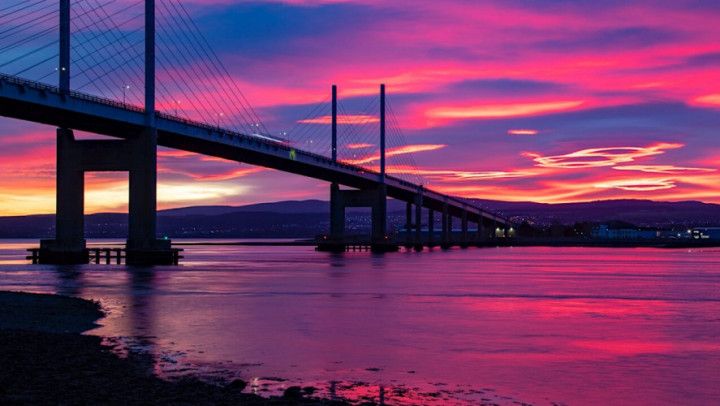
(643, 213)
(587, 242)
(309, 218)
(45, 360)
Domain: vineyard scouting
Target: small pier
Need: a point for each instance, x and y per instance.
(355, 245)
(105, 255)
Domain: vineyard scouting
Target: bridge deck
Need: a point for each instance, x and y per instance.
(41, 103)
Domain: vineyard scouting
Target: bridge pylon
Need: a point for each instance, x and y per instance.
(374, 197)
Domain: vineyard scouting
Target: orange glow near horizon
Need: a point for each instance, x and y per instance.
(710, 99)
(219, 184)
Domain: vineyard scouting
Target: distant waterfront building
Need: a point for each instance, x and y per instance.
(706, 233)
(674, 234)
(623, 231)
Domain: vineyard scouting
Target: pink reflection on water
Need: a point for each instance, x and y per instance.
(538, 325)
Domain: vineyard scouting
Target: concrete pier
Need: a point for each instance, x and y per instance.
(464, 227)
(408, 225)
(136, 155)
(418, 244)
(431, 228)
(376, 200)
(68, 247)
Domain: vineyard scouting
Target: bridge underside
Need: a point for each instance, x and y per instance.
(44, 104)
(135, 152)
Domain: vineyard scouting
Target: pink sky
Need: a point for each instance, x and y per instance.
(515, 100)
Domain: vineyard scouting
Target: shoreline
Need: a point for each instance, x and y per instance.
(209, 242)
(515, 242)
(46, 360)
(664, 244)
(512, 242)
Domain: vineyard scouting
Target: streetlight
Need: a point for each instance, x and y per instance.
(218, 118)
(125, 89)
(177, 104)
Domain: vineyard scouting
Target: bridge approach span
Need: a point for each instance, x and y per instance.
(41, 103)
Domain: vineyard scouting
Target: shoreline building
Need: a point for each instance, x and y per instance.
(623, 231)
(705, 233)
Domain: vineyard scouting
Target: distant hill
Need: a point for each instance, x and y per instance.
(289, 206)
(646, 213)
(308, 218)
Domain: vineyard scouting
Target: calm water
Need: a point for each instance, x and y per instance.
(537, 325)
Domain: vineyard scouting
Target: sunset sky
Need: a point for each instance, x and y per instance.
(548, 101)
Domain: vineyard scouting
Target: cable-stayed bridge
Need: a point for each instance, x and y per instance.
(147, 76)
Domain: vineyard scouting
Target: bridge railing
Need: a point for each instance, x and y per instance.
(109, 102)
(275, 144)
(54, 89)
(281, 145)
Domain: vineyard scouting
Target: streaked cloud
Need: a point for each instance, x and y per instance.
(521, 131)
(596, 157)
(667, 169)
(232, 174)
(390, 152)
(342, 119)
(501, 110)
(637, 185)
(359, 146)
(458, 175)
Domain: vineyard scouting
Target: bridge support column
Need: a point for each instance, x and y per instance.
(337, 214)
(380, 239)
(481, 235)
(143, 246)
(431, 228)
(444, 240)
(450, 238)
(408, 225)
(135, 155)
(464, 225)
(418, 223)
(68, 247)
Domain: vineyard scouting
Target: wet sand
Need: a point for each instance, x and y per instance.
(46, 360)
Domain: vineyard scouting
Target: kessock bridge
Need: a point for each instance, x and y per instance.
(138, 129)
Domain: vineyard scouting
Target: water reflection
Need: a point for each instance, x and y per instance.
(69, 280)
(474, 326)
